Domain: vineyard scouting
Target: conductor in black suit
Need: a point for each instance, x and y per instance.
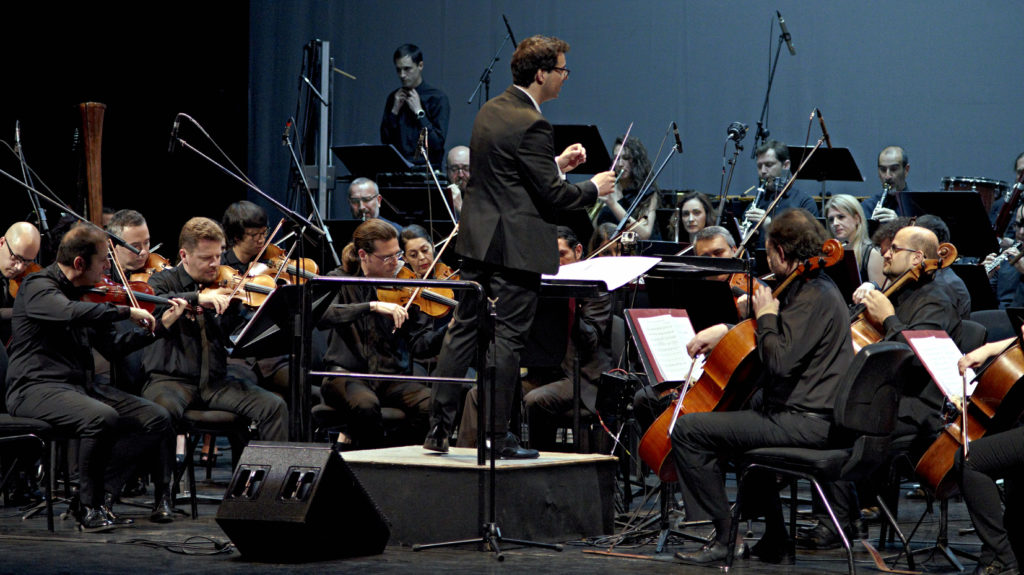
(507, 230)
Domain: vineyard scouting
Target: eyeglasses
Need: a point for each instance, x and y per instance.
(388, 260)
(456, 168)
(15, 258)
(563, 71)
(896, 249)
(357, 200)
(256, 235)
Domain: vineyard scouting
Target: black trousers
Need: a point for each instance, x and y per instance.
(267, 410)
(516, 295)
(701, 440)
(361, 400)
(117, 430)
(992, 457)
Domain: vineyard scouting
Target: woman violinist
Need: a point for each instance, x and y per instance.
(419, 257)
(372, 336)
(989, 458)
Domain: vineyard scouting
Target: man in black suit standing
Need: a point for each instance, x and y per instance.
(507, 230)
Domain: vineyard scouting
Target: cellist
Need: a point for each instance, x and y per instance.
(989, 458)
(803, 341)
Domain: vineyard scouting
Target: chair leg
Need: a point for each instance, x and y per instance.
(835, 523)
(48, 449)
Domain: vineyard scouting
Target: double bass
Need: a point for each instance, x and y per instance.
(729, 373)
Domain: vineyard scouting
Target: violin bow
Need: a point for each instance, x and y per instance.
(120, 272)
(433, 264)
(256, 260)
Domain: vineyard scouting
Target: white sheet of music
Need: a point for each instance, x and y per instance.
(940, 356)
(667, 337)
(615, 272)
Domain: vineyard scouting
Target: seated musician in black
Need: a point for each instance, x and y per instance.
(189, 368)
(50, 377)
(924, 304)
(803, 342)
(994, 456)
(371, 336)
(245, 229)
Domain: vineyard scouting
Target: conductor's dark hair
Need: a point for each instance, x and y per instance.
(536, 53)
(410, 50)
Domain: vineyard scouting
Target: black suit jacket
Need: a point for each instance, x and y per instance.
(508, 214)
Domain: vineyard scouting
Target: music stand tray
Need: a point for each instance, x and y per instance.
(969, 227)
(368, 160)
(266, 334)
(589, 136)
(834, 164)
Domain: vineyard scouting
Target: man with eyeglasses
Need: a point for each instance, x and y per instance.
(507, 231)
(458, 175)
(372, 336)
(924, 304)
(364, 199)
(21, 246)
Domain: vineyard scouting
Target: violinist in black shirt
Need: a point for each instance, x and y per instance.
(189, 367)
(50, 377)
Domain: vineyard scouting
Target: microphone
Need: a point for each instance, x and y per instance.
(510, 34)
(679, 143)
(824, 131)
(785, 34)
(287, 130)
(737, 131)
(174, 135)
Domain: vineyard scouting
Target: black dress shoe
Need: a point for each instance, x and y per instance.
(508, 447)
(996, 568)
(163, 511)
(774, 550)
(437, 440)
(713, 553)
(819, 537)
(92, 520)
(108, 510)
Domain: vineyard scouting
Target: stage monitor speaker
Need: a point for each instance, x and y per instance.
(292, 502)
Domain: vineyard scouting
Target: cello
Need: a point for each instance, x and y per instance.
(995, 405)
(729, 373)
(865, 332)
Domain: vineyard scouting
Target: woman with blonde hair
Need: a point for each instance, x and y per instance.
(847, 223)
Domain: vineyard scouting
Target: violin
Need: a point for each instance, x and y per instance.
(296, 271)
(864, 332)
(729, 373)
(154, 263)
(109, 291)
(252, 290)
(435, 302)
(14, 284)
(993, 406)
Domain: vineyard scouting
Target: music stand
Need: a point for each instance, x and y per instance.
(589, 136)
(578, 221)
(707, 302)
(846, 274)
(276, 326)
(969, 227)
(659, 248)
(832, 164)
(978, 286)
(368, 160)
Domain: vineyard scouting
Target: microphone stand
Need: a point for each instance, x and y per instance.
(485, 78)
(27, 178)
(294, 159)
(762, 133)
(723, 191)
(60, 206)
(300, 392)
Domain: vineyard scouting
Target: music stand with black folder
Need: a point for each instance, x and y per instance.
(827, 164)
(707, 302)
(846, 274)
(368, 160)
(278, 325)
(969, 227)
(589, 137)
(977, 282)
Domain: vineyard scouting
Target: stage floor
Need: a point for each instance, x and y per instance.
(26, 546)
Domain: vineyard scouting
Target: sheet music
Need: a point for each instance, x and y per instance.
(940, 356)
(614, 272)
(667, 337)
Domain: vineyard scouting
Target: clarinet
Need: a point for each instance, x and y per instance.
(747, 224)
(1001, 258)
(881, 201)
